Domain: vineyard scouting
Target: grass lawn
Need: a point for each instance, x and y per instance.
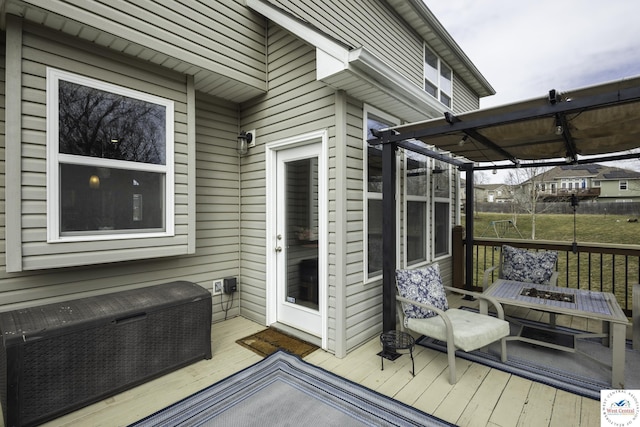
(589, 228)
(602, 272)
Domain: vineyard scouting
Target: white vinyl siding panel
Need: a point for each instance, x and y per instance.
(196, 37)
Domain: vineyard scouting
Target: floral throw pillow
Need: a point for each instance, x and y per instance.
(422, 285)
(527, 266)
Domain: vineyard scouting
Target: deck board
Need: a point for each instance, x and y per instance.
(481, 397)
(481, 406)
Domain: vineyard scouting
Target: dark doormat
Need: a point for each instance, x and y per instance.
(271, 340)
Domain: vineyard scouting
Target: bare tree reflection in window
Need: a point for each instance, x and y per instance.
(102, 124)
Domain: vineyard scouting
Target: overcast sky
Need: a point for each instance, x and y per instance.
(525, 48)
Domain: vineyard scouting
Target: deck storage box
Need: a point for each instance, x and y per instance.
(59, 357)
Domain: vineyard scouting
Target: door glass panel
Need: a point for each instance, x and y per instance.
(302, 232)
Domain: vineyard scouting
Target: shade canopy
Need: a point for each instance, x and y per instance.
(592, 121)
(555, 129)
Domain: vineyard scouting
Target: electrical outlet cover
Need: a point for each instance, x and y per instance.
(217, 286)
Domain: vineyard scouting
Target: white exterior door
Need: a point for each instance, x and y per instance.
(297, 227)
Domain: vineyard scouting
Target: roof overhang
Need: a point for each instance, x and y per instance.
(359, 72)
(367, 78)
(571, 126)
(221, 84)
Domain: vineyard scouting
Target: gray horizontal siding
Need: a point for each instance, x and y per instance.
(358, 22)
(42, 48)
(217, 195)
(295, 104)
(463, 97)
(185, 36)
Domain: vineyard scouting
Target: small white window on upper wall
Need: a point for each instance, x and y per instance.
(438, 78)
(110, 161)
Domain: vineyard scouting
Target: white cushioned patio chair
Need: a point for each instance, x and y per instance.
(523, 265)
(423, 308)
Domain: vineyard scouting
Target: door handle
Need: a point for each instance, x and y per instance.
(278, 248)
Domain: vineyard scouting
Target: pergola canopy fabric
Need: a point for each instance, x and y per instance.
(591, 121)
(561, 127)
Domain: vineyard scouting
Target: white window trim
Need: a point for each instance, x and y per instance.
(435, 200)
(367, 109)
(54, 157)
(438, 83)
(626, 185)
(414, 198)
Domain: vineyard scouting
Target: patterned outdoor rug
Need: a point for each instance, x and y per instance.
(270, 340)
(285, 390)
(572, 372)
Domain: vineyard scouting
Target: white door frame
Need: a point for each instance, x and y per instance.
(271, 151)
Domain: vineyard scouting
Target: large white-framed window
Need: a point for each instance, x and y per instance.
(441, 186)
(438, 78)
(110, 161)
(373, 119)
(416, 208)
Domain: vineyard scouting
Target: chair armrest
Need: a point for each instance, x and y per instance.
(485, 277)
(491, 300)
(553, 281)
(447, 322)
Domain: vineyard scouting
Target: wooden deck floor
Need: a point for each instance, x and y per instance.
(482, 396)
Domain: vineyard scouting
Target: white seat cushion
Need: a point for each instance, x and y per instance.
(471, 330)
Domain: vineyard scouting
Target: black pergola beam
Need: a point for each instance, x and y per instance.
(417, 148)
(570, 145)
(491, 145)
(551, 163)
(619, 96)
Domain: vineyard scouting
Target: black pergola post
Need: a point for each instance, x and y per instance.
(388, 236)
(468, 210)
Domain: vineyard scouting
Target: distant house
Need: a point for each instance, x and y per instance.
(494, 193)
(591, 181)
(122, 168)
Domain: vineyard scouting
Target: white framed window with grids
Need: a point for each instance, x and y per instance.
(110, 161)
(416, 208)
(441, 208)
(438, 78)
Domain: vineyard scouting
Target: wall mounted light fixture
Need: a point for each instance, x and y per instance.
(245, 140)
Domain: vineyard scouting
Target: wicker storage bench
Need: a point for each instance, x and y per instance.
(59, 357)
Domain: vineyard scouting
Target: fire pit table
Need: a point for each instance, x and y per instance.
(574, 302)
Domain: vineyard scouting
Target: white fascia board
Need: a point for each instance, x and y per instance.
(337, 52)
(365, 64)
